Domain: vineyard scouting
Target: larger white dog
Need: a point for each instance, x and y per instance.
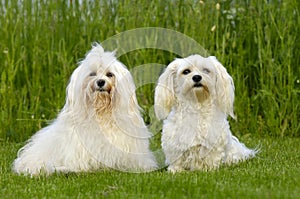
(99, 127)
(194, 95)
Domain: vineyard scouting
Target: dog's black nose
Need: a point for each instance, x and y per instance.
(100, 83)
(197, 78)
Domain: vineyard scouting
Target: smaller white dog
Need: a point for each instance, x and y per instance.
(195, 95)
(100, 125)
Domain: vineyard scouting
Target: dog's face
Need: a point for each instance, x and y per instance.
(194, 80)
(102, 73)
(100, 88)
(100, 84)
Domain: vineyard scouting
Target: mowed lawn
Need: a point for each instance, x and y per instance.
(274, 173)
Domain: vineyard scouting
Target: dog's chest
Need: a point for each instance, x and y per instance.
(187, 129)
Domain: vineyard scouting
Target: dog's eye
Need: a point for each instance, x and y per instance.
(205, 70)
(109, 74)
(93, 74)
(186, 71)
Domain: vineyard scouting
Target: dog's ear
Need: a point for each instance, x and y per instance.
(71, 89)
(125, 108)
(224, 88)
(164, 91)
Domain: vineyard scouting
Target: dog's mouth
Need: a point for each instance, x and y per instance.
(198, 85)
(103, 90)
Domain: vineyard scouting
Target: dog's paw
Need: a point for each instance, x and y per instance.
(175, 169)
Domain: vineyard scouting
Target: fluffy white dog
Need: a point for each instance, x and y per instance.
(195, 95)
(100, 125)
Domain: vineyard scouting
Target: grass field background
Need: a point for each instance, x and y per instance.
(258, 42)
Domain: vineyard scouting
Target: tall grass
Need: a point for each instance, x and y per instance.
(257, 41)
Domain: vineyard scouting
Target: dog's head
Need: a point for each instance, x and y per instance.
(101, 84)
(194, 79)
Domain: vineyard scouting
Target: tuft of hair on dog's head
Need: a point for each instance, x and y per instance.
(200, 78)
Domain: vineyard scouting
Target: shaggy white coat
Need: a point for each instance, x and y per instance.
(193, 96)
(100, 125)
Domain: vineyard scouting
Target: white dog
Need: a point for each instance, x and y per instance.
(194, 95)
(100, 125)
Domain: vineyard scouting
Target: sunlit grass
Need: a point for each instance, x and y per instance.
(274, 173)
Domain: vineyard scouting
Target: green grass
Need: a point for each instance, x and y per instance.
(275, 173)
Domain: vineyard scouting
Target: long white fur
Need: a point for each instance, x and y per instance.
(91, 133)
(196, 134)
